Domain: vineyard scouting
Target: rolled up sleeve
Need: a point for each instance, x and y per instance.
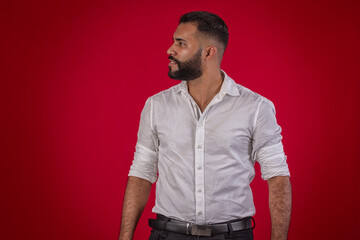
(145, 160)
(267, 148)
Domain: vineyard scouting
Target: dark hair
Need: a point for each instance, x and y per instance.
(208, 24)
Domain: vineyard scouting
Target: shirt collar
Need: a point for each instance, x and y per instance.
(182, 87)
(228, 86)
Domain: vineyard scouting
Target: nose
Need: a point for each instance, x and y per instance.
(171, 50)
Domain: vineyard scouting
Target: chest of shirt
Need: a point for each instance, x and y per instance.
(225, 125)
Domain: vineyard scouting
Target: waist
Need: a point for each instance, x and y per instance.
(168, 224)
(212, 212)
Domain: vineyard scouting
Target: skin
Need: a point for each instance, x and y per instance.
(280, 199)
(136, 196)
(187, 41)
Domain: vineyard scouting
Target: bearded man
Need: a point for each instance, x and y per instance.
(199, 141)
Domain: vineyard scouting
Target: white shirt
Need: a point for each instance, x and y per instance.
(204, 162)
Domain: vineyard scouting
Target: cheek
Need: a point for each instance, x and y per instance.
(185, 55)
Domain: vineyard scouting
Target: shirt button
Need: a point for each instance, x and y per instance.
(199, 213)
(199, 167)
(201, 124)
(199, 146)
(200, 190)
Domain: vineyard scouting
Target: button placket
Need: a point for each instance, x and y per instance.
(199, 173)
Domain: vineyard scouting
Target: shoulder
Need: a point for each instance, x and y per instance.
(246, 94)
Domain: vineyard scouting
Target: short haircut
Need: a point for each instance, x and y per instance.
(209, 24)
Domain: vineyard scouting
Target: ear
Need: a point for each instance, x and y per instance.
(210, 52)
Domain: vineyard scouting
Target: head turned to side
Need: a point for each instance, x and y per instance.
(199, 43)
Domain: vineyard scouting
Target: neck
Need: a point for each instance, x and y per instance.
(204, 88)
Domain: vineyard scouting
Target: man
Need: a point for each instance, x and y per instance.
(202, 137)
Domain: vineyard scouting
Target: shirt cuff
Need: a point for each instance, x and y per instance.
(272, 161)
(144, 164)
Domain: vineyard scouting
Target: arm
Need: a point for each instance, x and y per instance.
(268, 151)
(280, 206)
(136, 196)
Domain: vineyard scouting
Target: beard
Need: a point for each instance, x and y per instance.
(188, 70)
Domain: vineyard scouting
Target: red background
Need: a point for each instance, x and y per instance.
(75, 76)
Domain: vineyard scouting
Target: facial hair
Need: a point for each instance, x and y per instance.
(187, 70)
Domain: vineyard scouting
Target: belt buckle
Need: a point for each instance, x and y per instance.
(198, 230)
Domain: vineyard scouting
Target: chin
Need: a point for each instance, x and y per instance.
(172, 74)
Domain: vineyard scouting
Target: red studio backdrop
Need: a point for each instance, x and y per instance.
(75, 76)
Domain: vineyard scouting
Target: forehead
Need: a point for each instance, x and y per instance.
(186, 31)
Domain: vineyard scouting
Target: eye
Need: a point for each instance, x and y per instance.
(181, 44)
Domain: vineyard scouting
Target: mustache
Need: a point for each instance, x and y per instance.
(174, 59)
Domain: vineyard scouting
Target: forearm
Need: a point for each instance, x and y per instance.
(136, 196)
(280, 206)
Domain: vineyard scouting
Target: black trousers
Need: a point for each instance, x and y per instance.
(165, 235)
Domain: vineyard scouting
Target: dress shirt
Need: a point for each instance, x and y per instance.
(203, 162)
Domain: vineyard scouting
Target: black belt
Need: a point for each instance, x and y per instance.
(199, 230)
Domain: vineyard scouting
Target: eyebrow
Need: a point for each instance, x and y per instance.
(179, 39)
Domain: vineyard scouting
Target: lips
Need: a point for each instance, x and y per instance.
(173, 61)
